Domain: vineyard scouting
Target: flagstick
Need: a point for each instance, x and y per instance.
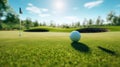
(20, 33)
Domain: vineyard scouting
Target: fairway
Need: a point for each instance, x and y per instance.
(55, 49)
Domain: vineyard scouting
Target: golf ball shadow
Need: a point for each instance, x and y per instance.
(80, 46)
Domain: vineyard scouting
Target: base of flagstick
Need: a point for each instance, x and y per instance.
(20, 34)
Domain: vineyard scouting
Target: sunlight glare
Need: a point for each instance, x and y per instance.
(59, 5)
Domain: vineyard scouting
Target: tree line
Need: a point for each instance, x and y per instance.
(9, 20)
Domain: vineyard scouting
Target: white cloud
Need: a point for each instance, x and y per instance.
(36, 10)
(33, 9)
(44, 10)
(93, 4)
(73, 18)
(29, 4)
(44, 15)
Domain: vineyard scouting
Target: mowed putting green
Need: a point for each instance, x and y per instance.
(53, 49)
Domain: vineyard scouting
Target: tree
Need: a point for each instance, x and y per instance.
(101, 23)
(11, 18)
(65, 26)
(110, 16)
(36, 24)
(114, 19)
(84, 22)
(90, 22)
(98, 21)
(44, 24)
(40, 24)
(52, 24)
(77, 24)
(119, 20)
(3, 7)
(72, 25)
(28, 23)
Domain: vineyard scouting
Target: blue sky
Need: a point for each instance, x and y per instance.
(64, 11)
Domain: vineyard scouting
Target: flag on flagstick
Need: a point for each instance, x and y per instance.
(20, 11)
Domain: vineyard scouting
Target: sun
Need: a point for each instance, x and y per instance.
(59, 5)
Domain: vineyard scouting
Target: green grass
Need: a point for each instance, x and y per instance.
(55, 50)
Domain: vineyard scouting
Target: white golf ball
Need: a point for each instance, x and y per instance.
(75, 36)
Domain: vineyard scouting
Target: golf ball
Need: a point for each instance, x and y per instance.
(75, 36)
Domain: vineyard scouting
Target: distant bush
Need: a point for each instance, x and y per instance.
(92, 30)
(37, 30)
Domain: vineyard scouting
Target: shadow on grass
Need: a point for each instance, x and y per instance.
(107, 50)
(36, 30)
(80, 47)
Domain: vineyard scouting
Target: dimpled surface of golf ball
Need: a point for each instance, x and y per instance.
(75, 36)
